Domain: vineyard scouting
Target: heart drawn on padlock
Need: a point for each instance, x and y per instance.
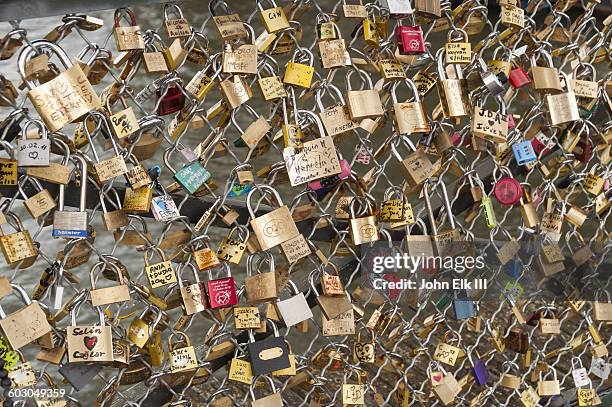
(33, 155)
(90, 342)
(364, 350)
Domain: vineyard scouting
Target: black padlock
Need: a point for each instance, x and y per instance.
(269, 354)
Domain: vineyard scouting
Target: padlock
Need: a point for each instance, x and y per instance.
(274, 227)
(112, 294)
(362, 104)
(416, 167)
(190, 177)
(154, 60)
(88, 343)
(130, 37)
(241, 59)
(545, 78)
(562, 108)
(410, 117)
(271, 400)
(26, 324)
(332, 49)
(159, 274)
(294, 309)
(353, 393)
(428, 8)
(235, 91)
(69, 223)
(410, 39)
(523, 152)
(170, 100)
(364, 227)
(269, 354)
(579, 373)
(222, 291)
(332, 306)
(298, 73)
(255, 132)
(490, 125)
(56, 111)
(398, 9)
(230, 249)
(33, 152)
(364, 352)
(509, 380)
(193, 295)
(354, 10)
(260, 287)
(479, 371)
(184, 358)
(139, 330)
(175, 27)
(549, 323)
(274, 18)
(331, 284)
(528, 211)
(447, 243)
(463, 306)
(38, 204)
(113, 219)
(452, 92)
(549, 387)
(507, 190)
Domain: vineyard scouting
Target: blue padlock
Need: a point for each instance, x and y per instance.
(464, 308)
(479, 370)
(523, 152)
(513, 268)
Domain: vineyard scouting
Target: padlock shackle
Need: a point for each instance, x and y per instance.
(37, 47)
(172, 8)
(264, 189)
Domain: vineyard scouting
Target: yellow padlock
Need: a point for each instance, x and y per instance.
(297, 73)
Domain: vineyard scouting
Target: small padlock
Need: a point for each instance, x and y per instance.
(364, 227)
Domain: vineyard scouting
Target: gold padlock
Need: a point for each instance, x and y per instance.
(364, 229)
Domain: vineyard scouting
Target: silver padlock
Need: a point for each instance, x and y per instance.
(72, 224)
(33, 152)
(295, 309)
(398, 9)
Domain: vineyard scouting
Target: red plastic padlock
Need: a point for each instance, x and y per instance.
(508, 191)
(410, 39)
(222, 291)
(519, 77)
(172, 102)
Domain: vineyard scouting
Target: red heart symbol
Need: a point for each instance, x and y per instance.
(437, 377)
(90, 341)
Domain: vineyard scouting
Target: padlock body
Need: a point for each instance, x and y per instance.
(222, 293)
(69, 224)
(410, 40)
(452, 94)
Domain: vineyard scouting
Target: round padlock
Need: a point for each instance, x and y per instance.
(508, 191)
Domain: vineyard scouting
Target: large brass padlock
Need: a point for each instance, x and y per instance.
(274, 227)
(364, 227)
(55, 105)
(452, 92)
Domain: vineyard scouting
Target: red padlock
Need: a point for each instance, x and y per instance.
(519, 77)
(508, 191)
(541, 142)
(222, 291)
(583, 150)
(172, 102)
(410, 39)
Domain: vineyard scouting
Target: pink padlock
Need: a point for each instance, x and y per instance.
(410, 39)
(345, 171)
(519, 77)
(511, 123)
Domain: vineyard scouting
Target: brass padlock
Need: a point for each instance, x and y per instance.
(274, 227)
(410, 117)
(545, 78)
(274, 18)
(130, 37)
(452, 92)
(363, 104)
(18, 247)
(364, 227)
